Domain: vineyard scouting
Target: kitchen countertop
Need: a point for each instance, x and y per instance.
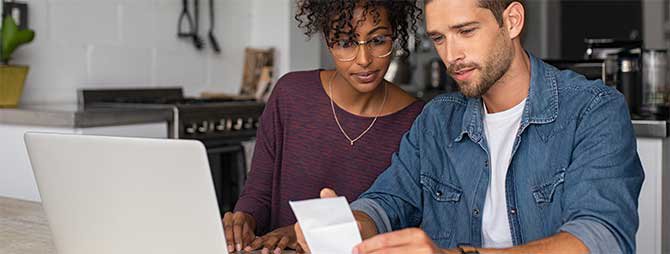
(24, 229)
(651, 128)
(72, 116)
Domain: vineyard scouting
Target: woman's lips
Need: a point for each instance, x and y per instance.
(365, 77)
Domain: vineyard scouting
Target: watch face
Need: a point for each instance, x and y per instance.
(468, 249)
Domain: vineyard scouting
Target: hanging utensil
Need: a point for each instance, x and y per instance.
(192, 29)
(185, 15)
(212, 37)
(197, 41)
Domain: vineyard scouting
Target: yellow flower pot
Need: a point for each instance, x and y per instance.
(12, 78)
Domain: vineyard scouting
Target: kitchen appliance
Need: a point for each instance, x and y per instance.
(655, 82)
(437, 77)
(629, 81)
(400, 69)
(623, 71)
(591, 69)
(221, 124)
(622, 68)
(601, 48)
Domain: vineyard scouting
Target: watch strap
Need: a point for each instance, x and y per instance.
(467, 249)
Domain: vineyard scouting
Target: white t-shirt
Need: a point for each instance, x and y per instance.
(501, 129)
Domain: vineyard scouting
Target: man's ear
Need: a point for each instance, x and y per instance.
(514, 18)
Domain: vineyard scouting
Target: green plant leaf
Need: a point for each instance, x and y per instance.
(12, 38)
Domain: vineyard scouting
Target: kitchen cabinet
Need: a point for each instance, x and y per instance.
(653, 145)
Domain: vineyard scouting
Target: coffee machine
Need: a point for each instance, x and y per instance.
(640, 74)
(619, 64)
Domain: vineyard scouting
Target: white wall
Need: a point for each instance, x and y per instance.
(128, 43)
(270, 27)
(274, 25)
(305, 53)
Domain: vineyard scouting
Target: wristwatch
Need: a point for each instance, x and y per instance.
(465, 249)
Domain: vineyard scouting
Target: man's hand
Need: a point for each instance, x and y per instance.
(277, 241)
(239, 230)
(412, 240)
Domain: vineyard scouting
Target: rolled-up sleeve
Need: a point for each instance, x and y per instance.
(376, 213)
(596, 237)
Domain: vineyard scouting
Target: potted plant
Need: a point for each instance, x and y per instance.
(12, 77)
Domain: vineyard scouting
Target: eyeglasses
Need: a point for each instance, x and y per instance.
(347, 50)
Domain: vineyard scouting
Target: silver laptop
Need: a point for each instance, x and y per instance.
(110, 195)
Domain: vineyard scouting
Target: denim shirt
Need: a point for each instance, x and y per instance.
(574, 168)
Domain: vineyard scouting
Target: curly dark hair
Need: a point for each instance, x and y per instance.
(334, 18)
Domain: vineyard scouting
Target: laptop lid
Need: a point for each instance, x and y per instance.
(111, 195)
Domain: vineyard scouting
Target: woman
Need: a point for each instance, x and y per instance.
(327, 128)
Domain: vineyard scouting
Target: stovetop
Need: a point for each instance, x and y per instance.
(206, 119)
(153, 96)
(179, 101)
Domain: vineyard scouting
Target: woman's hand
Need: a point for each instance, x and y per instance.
(276, 241)
(239, 230)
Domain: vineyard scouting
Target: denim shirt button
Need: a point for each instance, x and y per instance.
(486, 163)
(475, 212)
(438, 193)
(512, 211)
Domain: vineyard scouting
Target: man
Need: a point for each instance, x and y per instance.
(525, 159)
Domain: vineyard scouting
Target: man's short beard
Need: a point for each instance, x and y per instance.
(495, 66)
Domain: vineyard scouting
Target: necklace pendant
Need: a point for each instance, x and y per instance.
(351, 142)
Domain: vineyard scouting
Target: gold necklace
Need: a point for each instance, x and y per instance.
(332, 106)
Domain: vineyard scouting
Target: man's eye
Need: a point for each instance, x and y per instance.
(467, 31)
(437, 38)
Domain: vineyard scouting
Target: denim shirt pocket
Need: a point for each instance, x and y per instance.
(441, 201)
(441, 192)
(544, 193)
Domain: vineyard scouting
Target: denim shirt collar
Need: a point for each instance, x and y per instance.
(541, 104)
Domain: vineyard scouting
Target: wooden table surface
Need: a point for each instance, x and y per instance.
(24, 228)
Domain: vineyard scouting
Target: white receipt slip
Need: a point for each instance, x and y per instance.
(328, 225)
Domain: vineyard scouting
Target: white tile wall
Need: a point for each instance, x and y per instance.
(128, 65)
(137, 22)
(55, 70)
(108, 43)
(271, 27)
(84, 22)
(181, 67)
